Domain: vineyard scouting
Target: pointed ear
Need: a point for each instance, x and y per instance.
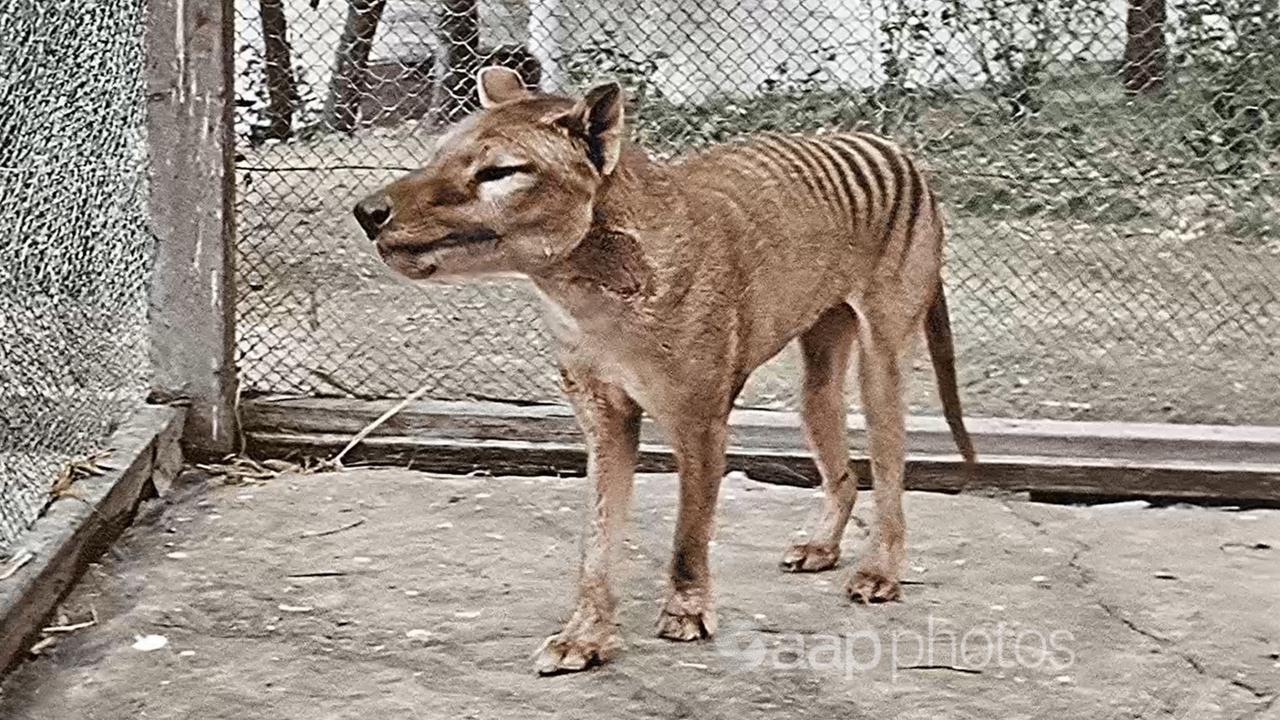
(497, 85)
(598, 116)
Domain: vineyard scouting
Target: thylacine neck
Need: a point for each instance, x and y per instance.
(637, 196)
(617, 259)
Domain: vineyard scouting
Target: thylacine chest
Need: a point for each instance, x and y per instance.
(606, 336)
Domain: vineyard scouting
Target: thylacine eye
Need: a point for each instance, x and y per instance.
(498, 172)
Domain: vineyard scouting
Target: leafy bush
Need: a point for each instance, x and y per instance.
(1228, 51)
(604, 57)
(1014, 42)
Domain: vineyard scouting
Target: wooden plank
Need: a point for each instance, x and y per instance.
(774, 430)
(75, 530)
(1241, 483)
(192, 183)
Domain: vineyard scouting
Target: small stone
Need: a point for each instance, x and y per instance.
(147, 643)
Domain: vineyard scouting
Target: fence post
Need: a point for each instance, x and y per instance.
(191, 137)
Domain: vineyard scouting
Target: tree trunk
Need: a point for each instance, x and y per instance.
(1145, 52)
(282, 92)
(352, 59)
(457, 59)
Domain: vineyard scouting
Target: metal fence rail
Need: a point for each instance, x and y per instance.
(74, 250)
(1109, 170)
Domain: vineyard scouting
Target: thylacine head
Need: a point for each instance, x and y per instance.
(512, 188)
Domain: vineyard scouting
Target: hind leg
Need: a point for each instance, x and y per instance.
(826, 348)
(882, 343)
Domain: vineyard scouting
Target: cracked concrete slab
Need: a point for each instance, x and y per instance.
(404, 595)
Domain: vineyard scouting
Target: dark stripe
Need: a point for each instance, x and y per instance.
(766, 145)
(851, 159)
(754, 154)
(852, 144)
(917, 199)
(837, 175)
(842, 170)
(899, 185)
(830, 193)
(798, 161)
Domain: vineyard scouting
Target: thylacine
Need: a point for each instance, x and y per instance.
(667, 284)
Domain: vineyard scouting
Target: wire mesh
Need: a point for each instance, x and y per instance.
(1108, 168)
(74, 250)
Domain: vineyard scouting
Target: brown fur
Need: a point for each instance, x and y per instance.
(666, 285)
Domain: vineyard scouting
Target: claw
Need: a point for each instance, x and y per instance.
(567, 652)
(871, 586)
(809, 557)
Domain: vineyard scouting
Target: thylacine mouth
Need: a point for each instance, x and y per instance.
(455, 239)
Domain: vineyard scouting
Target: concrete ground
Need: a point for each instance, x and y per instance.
(391, 594)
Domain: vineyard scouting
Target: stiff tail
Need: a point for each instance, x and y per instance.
(937, 332)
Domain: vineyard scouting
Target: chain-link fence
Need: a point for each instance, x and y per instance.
(74, 249)
(1109, 171)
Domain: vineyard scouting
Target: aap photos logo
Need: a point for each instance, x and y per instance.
(999, 646)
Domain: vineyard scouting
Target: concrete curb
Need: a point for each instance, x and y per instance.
(73, 531)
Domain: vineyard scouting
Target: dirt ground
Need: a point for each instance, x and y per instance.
(385, 593)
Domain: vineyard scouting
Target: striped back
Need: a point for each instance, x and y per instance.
(864, 181)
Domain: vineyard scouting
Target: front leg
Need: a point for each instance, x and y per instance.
(688, 612)
(610, 421)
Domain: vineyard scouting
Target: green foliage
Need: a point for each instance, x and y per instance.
(604, 57)
(906, 36)
(1060, 142)
(1228, 52)
(1014, 42)
(670, 127)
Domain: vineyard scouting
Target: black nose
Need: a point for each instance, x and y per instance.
(372, 213)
